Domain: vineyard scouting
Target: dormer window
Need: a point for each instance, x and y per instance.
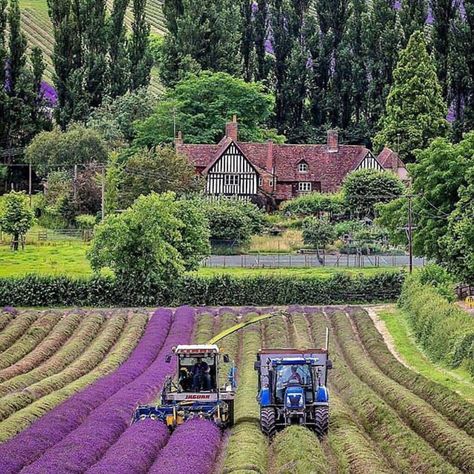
(303, 167)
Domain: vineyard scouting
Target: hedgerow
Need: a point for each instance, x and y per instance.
(381, 422)
(454, 444)
(444, 330)
(447, 402)
(30, 339)
(118, 354)
(219, 290)
(247, 446)
(88, 359)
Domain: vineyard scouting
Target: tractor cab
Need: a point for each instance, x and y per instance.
(196, 391)
(292, 389)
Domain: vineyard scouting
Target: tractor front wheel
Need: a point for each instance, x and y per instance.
(267, 421)
(321, 418)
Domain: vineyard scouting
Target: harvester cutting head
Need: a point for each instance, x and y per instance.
(197, 391)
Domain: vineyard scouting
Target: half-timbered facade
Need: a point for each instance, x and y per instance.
(232, 174)
(279, 172)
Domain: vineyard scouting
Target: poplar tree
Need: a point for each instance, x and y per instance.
(201, 36)
(416, 111)
(385, 36)
(260, 38)
(119, 63)
(247, 38)
(443, 12)
(141, 60)
(3, 58)
(413, 15)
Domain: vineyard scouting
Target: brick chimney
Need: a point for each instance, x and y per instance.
(333, 141)
(178, 141)
(269, 164)
(232, 129)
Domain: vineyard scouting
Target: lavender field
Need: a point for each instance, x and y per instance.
(71, 379)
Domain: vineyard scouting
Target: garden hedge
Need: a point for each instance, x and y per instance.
(195, 290)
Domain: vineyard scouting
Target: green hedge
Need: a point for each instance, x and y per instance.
(445, 331)
(215, 291)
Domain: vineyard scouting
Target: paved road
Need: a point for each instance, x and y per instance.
(302, 261)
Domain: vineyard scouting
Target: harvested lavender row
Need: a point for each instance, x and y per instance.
(59, 422)
(135, 450)
(192, 449)
(87, 444)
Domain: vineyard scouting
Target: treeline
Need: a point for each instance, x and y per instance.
(330, 63)
(22, 102)
(94, 56)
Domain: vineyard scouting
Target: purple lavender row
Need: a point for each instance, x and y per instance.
(191, 450)
(103, 427)
(66, 417)
(135, 450)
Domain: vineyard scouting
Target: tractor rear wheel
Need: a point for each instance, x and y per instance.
(321, 418)
(267, 421)
(230, 413)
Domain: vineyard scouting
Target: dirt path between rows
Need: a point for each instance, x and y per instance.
(382, 329)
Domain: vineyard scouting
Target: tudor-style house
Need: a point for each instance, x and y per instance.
(280, 172)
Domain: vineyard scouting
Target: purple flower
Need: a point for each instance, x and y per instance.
(10, 309)
(49, 93)
(87, 444)
(68, 416)
(191, 450)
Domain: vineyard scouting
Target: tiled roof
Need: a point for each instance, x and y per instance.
(388, 158)
(322, 165)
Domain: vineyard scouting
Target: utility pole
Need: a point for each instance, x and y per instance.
(74, 184)
(30, 183)
(103, 194)
(410, 231)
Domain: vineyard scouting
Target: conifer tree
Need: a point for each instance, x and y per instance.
(3, 58)
(247, 38)
(17, 48)
(415, 112)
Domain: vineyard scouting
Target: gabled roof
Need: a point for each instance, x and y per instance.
(284, 159)
(387, 158)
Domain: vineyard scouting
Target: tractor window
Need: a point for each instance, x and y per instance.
(197, 374)
(293, 374)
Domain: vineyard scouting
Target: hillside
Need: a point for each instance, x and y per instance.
(38, 29)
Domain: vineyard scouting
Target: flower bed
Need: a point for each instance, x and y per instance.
(59, 422)
(119, 353)
(192, 448)
(87, 444)
(16, 329)
(51, 344)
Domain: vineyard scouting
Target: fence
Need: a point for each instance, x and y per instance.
(47, 235)
(309, 261)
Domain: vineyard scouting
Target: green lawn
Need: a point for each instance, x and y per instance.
(40, 5)
(322, 272)
(69, 258)
(458, 380)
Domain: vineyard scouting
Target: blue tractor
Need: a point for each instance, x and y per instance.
(292, 389)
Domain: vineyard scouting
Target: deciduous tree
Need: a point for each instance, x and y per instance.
(16, 217)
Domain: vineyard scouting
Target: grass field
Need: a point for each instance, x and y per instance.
(69, 258)
(455, 379)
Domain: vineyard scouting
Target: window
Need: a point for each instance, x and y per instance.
(270, 182)
(231, 179)
(260, 181)
(303, 167)
(304, 187)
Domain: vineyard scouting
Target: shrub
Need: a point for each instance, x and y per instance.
(440, 279)
(86, 221)
(314, 204)
(445, 331)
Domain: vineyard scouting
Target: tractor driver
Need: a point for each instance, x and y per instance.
(201, 375)
(294, 377)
